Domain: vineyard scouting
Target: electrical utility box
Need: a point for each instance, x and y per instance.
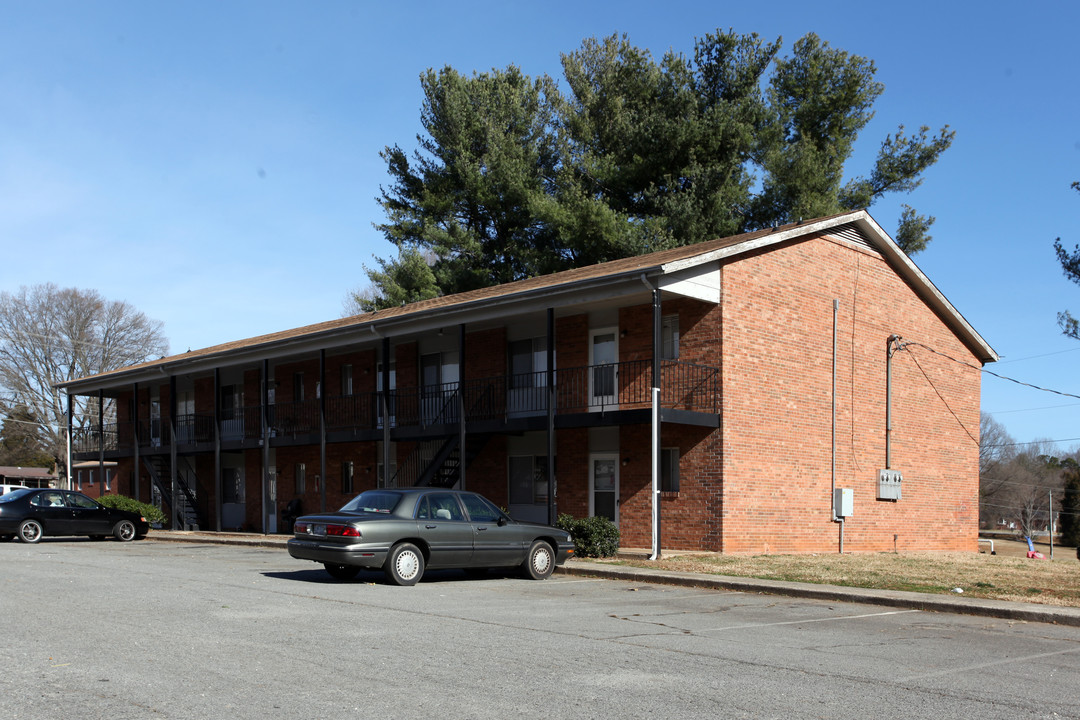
(843, 502)
(888, 485)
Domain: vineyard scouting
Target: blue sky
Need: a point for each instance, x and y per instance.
(216, 164)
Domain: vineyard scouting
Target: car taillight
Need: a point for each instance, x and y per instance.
(300, 527)
(343, 530)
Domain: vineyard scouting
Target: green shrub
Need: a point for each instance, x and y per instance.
(121, 502)
(593, 536)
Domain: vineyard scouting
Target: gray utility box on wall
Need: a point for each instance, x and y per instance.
(843, 502)
(888, 484)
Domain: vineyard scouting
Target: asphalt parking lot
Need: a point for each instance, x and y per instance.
(189, 630)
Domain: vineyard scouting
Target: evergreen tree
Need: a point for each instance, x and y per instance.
(1069, 523)
(513, 179)
(1070, 265)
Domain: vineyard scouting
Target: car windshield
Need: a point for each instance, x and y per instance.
(14, 495)
(373, 501)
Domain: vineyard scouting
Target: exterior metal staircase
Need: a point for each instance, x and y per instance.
(185, 508)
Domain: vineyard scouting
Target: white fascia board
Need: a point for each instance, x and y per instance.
(701, 283)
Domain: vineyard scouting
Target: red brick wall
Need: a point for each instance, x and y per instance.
(777, 374)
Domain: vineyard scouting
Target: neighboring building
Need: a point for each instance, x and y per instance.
(94, 478)
(29, 477)
(779, 373)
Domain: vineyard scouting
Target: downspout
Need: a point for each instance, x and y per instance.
(832, 493)
(832, 489)
(655, 494)
(70, 424)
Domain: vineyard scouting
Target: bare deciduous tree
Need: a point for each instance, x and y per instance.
(50, 335)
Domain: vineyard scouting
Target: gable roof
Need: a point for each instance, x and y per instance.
(857, 225)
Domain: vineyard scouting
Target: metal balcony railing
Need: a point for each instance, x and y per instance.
(593, 388)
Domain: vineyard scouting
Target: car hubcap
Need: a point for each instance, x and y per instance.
(127, 531)
(407, 565)
(541, 561)
(31, 532)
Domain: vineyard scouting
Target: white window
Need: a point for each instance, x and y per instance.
(669, 337)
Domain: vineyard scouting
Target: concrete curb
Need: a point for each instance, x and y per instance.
(1006, 610)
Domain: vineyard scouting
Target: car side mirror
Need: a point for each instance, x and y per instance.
(503, 521)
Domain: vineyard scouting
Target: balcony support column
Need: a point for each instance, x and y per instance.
(135, 438)
(177, 518)
(553, 509)
(322, 430)
(217, 450)
(101, 438)
(461, 406)
(384, 400)
(264, 405)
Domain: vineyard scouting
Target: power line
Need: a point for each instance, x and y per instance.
(1035, 357)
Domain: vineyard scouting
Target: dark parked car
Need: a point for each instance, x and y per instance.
(404, 531)
(32, 513)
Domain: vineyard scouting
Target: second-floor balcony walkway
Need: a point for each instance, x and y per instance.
(595, 389)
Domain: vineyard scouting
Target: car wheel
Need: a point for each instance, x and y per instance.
(540, 561)
(342, 572)
(404, 565)
(124, 531)
(30, 531)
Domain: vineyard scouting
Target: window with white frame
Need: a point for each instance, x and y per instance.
(669, 470)
(528, 363)
(347, 476)
(528, 480)
(346, 380)
(669, 337)
(301, 478)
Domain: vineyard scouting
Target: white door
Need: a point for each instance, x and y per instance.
(603, 368)
(604, 486)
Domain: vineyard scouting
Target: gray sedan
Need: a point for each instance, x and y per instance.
(403, 531)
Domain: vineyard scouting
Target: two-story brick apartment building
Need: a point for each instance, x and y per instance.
(790, 362)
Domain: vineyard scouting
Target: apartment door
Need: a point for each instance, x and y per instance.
(604, 486)
(155, 422)
(603, 368)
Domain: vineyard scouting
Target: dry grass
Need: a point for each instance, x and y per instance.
(1005, 576)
